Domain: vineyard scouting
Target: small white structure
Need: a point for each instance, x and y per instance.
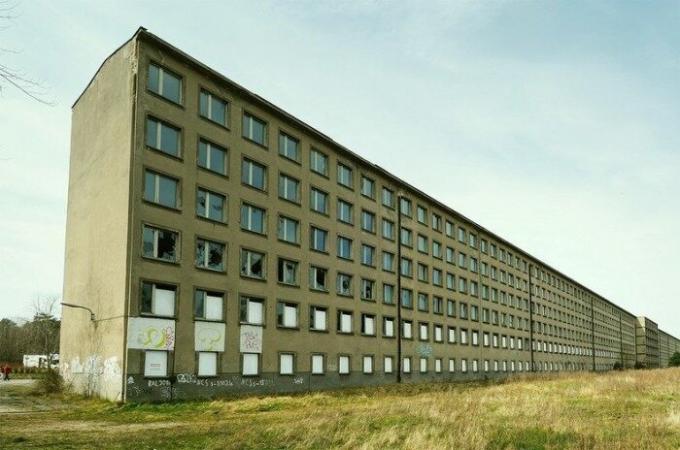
(41, 361)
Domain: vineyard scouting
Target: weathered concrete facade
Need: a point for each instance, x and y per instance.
(289, 264)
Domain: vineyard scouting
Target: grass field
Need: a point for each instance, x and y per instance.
(623, 410)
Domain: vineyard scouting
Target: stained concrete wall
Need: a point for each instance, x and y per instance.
(96, 253)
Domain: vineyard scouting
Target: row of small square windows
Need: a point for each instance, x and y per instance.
(156, 364)
(160, 300)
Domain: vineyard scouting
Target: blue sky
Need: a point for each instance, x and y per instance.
(554, 124)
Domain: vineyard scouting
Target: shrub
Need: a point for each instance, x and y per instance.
(674, 361)
(50, 383)
(618, 365)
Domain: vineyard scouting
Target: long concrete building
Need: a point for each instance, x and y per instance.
(216, 244)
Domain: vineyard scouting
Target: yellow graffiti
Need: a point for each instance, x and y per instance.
(152, 337)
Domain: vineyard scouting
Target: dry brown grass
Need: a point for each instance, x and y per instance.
(624, 410)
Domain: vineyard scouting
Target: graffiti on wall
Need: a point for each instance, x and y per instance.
(251, 339)
(209, 336)
(151, 334)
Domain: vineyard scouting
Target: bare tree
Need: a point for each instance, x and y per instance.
(42, 333)
(10, 76)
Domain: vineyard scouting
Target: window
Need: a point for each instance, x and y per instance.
(160, 244)
(165, 83)
(475, 337)
(286, 363)
(407, 298)
(422, 243)
(388, 262)
(463, 365)
(289, 188)
(387, 364)
(423, 365)
(318, 201)
(318, 162)
(252, 264)
(344, 284)
(437, 305)
(406, 237)
(405, 206)
(388, 294)
(318, 318)
(472, 240)
(208, 305)
(368, 324)
(254, 129)
(367, 255)
(421, 214)
(163, 137)
(422, 272)
(448, 228)
(388, 327)
(463, 310)
(161, 189)
(254, 174)
(344, 248)
(423, 302)
(155, 364)
(318, 278)
(451, 308)
(388, 198)
(407, 329)
(463, 336)
(213, 108)
(367, 289)
(207, 364)
(368, 364)
(450, 258)
(289, 147)
(345, 176)
(406, 267)
(250, 364)
(452, 335)
(423, 331)
(210, 205)
(367, 187)
(450, 281)
(287, 315)
(343, 365)
(288, 272)
(318, 239)
(289, 230)
(253, 219)
(252, 310)
(437, 249)
(388, 229)
(210, 255)
(462, 285)
(318, 366)
(461, 234)
(368, 221)
(344, 322)
(406, 364)
(212, 157)
(345, 211)
(438, 365)
(158, 299)
(436, 222)
(452, 365)
(436, 277)
(474, 312)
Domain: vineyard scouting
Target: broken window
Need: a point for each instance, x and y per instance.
(252, 264)
(210, 255)
(288, 271)
(252, 310)
(318, 278)
(159, 243)
(210, 205)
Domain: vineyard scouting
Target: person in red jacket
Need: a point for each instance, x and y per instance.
(7, 370)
